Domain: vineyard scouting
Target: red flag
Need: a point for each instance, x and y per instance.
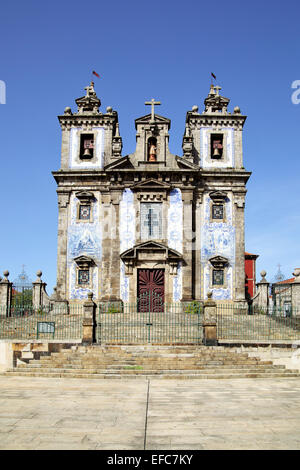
(213, 75)
(95, 73)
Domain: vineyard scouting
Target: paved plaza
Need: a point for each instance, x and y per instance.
(137, 414)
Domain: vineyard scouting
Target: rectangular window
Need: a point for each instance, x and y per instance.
(218, 277)
(83, 276)
(151, 220)
(86, 146)
(216, 148)
(218, 211)
(84, 212)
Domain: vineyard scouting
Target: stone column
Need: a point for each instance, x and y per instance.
(295, 294)
(188, 245)
(210, 322)
(5, 295)
(239, 223)
(89, 320)
(63, 203)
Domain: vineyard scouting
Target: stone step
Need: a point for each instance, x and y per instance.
(151, 361)
(124, 366)
(157, 371)
(169, 375)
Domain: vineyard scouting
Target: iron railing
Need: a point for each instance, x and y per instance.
(257, 323)
(149, 320)
(26, 322)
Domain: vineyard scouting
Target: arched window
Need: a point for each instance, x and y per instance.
(152, 149)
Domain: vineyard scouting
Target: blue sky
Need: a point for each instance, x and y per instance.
(163, 49)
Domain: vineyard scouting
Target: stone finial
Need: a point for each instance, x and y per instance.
(6, 274)
(109, 109)
(237, 110)
(90, 296)
(210, 296)
(263, 274)
(296, 272)
(195, 109)
(68, 110)
(39, 276)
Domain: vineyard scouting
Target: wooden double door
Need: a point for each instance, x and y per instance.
(151, 290)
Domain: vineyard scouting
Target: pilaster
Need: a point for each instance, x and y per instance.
(188, 245)
(63, 205)
(239, 223)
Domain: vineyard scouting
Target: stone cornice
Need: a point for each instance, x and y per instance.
(185, 179)
(206, 120)
(87, 120)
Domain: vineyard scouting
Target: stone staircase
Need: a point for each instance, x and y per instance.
(168, 362)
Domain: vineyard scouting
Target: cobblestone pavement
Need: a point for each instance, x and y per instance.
(41, 413)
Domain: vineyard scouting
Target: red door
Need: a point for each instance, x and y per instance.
(151, 290)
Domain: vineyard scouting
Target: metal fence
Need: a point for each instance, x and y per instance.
(149, 322)
(26, 322)
(257, 324)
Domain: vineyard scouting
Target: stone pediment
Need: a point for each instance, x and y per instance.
(151, 184)
(167, 254)
(84, 196)
(218, 262)
(218, 196)
(84, 261)
(121, 163)
(158, 120)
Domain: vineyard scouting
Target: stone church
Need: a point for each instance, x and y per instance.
(151, 221)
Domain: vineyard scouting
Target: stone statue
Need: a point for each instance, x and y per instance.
(152, 153)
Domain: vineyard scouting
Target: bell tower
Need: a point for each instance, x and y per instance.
(90, 141)
(213, 141)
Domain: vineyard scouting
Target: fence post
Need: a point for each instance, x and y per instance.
(39, 296)
(263, 291)
(210, 322)
(89, 320)
(5, 295)
(295, 291)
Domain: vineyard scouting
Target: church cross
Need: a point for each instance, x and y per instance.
(217, 88)
(152, 103)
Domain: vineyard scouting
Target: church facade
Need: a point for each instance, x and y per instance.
(151, 221)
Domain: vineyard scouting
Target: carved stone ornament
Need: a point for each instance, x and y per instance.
(85, 197)
(148, 197)
(219, 262)
(84, 262)
(63, 199)
(240, 203)
(218, 196)
(89, 103)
